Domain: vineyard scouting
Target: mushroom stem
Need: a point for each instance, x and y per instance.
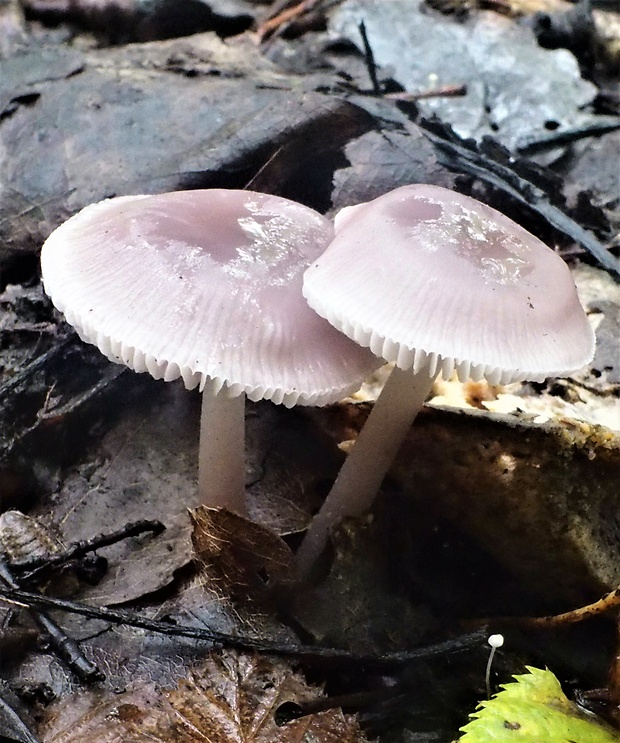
(221, 459)
(371, 455)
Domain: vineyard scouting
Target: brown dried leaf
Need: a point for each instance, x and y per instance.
(236, 556)
(239, 569)
(231, 698)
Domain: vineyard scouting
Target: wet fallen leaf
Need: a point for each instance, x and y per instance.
(144, 465)
(381, 161)
(233, 112)
(230, 698)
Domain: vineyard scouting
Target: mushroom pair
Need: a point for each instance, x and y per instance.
(436, 282)
(206, 285)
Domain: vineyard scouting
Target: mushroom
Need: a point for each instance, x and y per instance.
(435, 281)
(206, 285)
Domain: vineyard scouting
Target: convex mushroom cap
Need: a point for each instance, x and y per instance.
(436, 281)
(206, 285)
(428, 277)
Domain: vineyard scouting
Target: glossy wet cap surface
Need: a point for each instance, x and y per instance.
(427, 277)
(204, 285)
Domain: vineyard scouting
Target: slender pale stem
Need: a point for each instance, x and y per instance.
(371, 455)
(221, 459)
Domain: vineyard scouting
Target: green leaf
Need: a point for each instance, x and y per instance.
(534, 709)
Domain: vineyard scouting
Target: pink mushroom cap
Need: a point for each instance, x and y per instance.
(204, 285)
(429, 278)
(436, 281)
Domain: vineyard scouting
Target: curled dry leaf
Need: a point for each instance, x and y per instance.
(239, 567)
(231, 698)
(236, 556)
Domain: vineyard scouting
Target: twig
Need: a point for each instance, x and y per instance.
(369, 58)
(66, 647)
(285, 16)
(566, 136)
(34, 564)
(108, 376)
(608, 602)
(32, 367)
(308, 653)
(355, 700)
(444, 91)
(605, 604)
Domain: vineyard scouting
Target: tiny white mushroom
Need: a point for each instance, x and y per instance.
(495, 641)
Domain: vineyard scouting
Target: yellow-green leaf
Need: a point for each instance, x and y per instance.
(533, 709)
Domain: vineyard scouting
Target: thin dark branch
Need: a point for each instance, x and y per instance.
(66, 647)
(108, 376)
(20, 377)
(566, 136)
(307, 653)
(369, 57)
(355, 700)
(34, 564)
